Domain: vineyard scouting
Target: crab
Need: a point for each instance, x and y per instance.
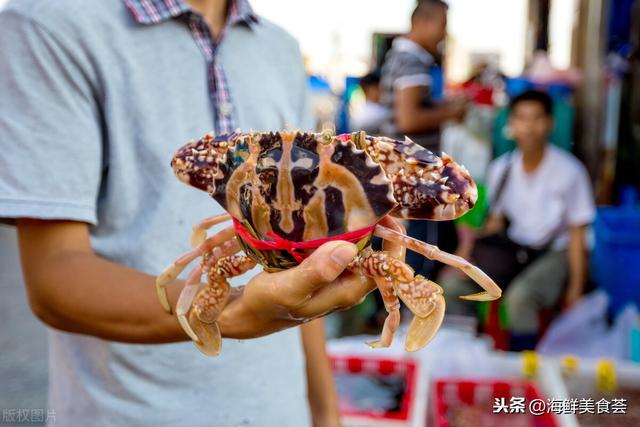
(306, 187)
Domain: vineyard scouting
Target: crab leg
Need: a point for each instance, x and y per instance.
(395, 280)
(389, 298)
(492, 290)
(423, 298)
(385, 270)
(392, 305)
(199, 233)
(220, 244)
(200, 305)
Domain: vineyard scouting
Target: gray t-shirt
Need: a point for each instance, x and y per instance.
(92, 107)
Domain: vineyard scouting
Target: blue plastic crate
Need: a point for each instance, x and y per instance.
(616, 256)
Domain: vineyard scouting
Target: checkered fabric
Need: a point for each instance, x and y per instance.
(150, 12)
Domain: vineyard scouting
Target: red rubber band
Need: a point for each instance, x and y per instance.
(280, 244)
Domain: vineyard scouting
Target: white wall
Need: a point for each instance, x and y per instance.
(487, 26)
(335, 35)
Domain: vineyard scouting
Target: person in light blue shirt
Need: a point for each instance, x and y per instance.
(95, 96)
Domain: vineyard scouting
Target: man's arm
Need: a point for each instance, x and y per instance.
(495, 223)
(73, 289)
(322, 395)
(412, 117)
(577, 257)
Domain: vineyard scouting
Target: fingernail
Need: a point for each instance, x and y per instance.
(344, 253)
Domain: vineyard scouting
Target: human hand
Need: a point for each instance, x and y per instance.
(320, 285)
(457, 109)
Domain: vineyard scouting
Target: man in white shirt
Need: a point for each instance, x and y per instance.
(542, 198)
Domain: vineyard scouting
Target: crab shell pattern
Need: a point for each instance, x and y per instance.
(306, 186)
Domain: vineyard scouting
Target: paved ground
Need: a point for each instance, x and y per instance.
(23, 341)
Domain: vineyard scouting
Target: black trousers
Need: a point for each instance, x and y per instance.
(440, 233)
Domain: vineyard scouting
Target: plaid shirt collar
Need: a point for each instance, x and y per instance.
(156, 11)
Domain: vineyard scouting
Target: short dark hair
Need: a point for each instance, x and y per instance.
(426, 7)
(373, 78)
(533, 96)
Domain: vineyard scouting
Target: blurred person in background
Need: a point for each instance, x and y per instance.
(407, 82)
(408, 92)
(533, 243)
(371, 115)
(96, 97)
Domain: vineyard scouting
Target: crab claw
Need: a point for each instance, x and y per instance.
(492, 290)
(480, 296)
(183, 307)
(197, 310)
(420, 295)
(196, 322)
(209, 340)
(423, 329)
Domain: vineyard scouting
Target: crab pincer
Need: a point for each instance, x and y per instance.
(200, 303)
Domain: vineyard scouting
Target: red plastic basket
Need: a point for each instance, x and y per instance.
(454, 396)
(406, 368)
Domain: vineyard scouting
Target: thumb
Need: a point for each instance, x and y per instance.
(323, 266)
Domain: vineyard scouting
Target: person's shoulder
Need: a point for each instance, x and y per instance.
(26, 8)
(64, 17)
(275, 36)
(498, 164)
(401, 57)
(566, 161)
(400, 62)
(407, 50)
(46, 10)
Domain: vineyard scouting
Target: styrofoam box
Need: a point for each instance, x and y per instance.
(458, 353)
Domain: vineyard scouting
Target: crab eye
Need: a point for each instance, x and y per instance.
(327, 136)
